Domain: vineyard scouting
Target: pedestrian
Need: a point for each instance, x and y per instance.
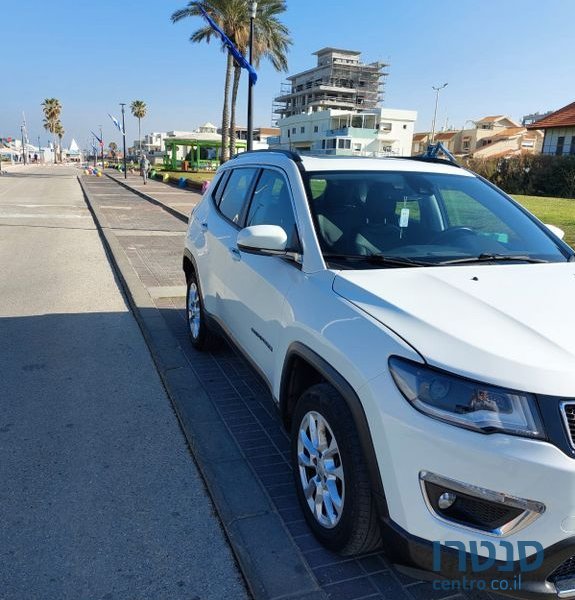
(144, 166)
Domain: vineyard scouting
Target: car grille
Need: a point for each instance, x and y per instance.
(568, 409)
(564, 570)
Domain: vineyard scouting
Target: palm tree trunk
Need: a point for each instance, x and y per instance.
(54, 143)
(237, 75)
(226, 110)
(140, 134)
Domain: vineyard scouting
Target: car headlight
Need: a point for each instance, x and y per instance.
(470, 404)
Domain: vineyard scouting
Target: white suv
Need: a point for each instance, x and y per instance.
(416, 327)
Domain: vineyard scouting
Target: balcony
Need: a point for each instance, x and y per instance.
(353, 132)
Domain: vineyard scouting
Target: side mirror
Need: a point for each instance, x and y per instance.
(262, 239)
(555, 230)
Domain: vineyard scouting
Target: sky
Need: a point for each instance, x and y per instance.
(510, 57)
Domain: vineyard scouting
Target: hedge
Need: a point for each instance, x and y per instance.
(532, 175)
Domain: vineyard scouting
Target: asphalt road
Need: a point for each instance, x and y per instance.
(99, 496)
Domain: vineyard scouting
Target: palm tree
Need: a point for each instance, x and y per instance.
(271, 41)
(113, 147)
(139, 108)
(227, 14)
(52, 109)
(59, 131)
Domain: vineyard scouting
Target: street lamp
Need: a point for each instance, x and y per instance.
(437, 90)
(253, 12)
(122, 104)
(23, 145)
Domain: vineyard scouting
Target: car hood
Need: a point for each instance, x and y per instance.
(510, 325)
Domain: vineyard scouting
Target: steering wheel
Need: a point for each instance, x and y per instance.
(452, 233)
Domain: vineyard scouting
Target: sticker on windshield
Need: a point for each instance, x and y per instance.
(404, 217)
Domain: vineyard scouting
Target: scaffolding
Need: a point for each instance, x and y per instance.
(339, 81)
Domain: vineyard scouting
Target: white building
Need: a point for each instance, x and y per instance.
(374, 132)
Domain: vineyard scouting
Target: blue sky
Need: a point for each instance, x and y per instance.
(498, 56)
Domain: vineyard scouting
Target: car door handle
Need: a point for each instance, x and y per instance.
(204, 226)
(235, 254)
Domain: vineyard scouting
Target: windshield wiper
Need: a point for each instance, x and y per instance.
(380, 259)
(488, 257)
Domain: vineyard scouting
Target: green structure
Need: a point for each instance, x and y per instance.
(200, 155)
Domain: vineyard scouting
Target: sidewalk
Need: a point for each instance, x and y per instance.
(180, 200)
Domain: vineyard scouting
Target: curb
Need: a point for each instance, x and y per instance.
(173, 211)
(268, 558)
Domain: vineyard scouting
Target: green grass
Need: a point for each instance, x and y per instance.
(198, 177)
(555, 211)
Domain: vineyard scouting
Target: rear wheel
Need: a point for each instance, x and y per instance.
(331, 476)
(201, 336)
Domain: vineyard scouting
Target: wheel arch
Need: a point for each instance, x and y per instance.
(189, 264)
(302, 368)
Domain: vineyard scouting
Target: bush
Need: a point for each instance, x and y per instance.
(532, 175)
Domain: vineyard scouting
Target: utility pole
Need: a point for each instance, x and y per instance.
(123, 104)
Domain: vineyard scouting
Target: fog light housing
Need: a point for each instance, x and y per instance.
(476, 508)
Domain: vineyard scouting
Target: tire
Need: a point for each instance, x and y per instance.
(201, 336)
(344, 516)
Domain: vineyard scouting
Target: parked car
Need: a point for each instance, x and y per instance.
(415, 326)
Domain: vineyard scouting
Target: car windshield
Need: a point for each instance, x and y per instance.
(422, 219)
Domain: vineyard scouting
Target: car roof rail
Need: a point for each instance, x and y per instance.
(289, 153)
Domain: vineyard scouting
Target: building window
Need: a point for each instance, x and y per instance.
(560, 144)
(466, 143)
(344, 144)
(315, 128)
(302, 129)
(385, 127)
(572, 148)
(405, 126)
(293, 129)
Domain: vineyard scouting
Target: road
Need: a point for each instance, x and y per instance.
(100, 497)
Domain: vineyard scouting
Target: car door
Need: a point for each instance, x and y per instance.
(221, 226)
(260, 283)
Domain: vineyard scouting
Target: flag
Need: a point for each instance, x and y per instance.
(239, 57)
(99, 140)
(117, 124)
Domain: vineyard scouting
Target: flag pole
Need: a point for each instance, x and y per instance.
(123, 104)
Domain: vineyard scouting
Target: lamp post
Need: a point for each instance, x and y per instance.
(123, 104)
(23, 145)
(253, 11)
(437, 90)
(102, 143)
(39, 149)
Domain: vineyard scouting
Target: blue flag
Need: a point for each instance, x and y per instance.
(99, 140)
(239, 57)
(117, 124)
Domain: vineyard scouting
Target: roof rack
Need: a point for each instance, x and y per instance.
(289, 153)
(433, 150)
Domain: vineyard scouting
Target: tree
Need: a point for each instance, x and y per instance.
(139, 108)
(52, 109)
(59, 131)
(271, 41)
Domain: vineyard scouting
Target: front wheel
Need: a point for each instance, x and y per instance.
(331, 476)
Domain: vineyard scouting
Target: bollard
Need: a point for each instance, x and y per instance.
(205, 186)
(166, 178)
(182, 182)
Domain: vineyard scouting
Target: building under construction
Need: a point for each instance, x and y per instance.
(340, 81)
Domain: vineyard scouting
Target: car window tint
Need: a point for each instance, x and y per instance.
(271, 204)
(235, 193)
